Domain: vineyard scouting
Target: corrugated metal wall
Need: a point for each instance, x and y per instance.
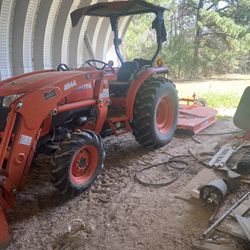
(37, 34)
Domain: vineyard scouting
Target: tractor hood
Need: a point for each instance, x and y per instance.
(35, 81)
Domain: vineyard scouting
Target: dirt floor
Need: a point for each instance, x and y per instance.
(118, 212)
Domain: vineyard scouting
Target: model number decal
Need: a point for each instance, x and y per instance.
(104, 94)
(50, 94)
(25, 140)
(85, 86)
(69, 85)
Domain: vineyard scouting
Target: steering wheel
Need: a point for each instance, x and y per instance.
(63, 67)
(92, 63)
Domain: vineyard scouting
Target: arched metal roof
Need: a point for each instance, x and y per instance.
(37, 34)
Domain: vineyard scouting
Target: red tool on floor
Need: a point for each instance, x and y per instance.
(194, 115)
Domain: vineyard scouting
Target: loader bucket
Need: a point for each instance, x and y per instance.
(4, 231)
(242, 115)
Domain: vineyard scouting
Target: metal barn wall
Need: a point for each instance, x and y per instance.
(37, 34)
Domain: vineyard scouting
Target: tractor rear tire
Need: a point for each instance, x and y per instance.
(155, 113)
(77, 163)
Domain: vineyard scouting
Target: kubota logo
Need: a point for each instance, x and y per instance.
(69, 85)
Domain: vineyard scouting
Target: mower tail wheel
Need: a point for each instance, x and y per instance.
(201, 102)
(155, 113)
(77, 163)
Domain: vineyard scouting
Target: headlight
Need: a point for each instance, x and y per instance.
(7, 100)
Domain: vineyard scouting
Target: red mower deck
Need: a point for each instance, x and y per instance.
(196, 118)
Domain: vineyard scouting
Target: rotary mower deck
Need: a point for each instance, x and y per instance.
(194, 115)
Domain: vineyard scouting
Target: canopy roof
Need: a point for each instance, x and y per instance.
(115, 9)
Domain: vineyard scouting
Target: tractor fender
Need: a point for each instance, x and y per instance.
(135, 86)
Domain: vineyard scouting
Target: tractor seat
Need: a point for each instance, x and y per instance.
(125, 75)
(118, 88)
(127, 71)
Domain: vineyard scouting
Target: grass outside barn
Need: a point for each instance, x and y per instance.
(221, 92)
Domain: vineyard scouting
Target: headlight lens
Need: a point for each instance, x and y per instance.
(7, 100)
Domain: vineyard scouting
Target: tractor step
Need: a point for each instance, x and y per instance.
(4, 230)
(115, 119)
(116, 122)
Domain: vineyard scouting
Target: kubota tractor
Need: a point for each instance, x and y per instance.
(64, 112)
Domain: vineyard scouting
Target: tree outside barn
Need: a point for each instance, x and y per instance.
(205, 37)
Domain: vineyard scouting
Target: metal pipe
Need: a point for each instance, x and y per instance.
(117, 40)
(208, 231)
(6, 135)
(76, 105)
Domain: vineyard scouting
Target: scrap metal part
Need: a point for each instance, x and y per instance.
(244, 224)
(213, 245)
(221, 157)
(223, 217)
(232, 180)
(243, 166)
(226, 151)
(214, 191)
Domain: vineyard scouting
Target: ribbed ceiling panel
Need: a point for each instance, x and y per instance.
(49, 32)
(67, 32)
(28, 36)
(80, 46)
(37, 34)
(6, 16)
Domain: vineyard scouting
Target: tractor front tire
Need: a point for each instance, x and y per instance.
(77, 163)
(155, 113)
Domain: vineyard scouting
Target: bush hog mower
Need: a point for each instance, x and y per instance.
(64, 112)
(195, 115)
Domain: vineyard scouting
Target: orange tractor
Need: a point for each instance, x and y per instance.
(64, 112)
